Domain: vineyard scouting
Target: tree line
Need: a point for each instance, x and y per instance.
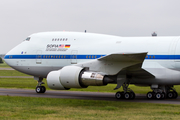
(1, 61)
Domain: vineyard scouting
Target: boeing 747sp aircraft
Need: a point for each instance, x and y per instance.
(78, 60)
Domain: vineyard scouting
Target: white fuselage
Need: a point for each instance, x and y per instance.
(48, 51)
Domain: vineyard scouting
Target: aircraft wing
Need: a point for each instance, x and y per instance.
(124, 57)
(112, 64)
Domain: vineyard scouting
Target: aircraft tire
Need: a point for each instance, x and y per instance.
(175, 94)
(118, 95)
(43, 89)
(163, 96)
(127, 95)
(158, 96)
(132, 94)
(150, 95)
(170, 95)
(38, 89)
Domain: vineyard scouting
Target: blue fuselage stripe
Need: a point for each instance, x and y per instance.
(162, 57)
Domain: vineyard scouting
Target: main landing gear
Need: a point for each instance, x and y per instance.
(162, 92)
(126, 94)
(39, 88)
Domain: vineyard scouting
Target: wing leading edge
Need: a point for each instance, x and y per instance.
(118, 63)
(125, 57)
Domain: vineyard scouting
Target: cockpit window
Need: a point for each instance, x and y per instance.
(28, 39)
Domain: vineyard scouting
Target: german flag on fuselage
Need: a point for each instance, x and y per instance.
(67, 46)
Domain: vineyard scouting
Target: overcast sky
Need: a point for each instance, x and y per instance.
(20, 18)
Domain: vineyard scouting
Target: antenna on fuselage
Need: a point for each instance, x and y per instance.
(154, 34)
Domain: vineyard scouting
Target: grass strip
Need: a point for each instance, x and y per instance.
(30, 83)
(71, 109)
(11, 73)
(4, 64)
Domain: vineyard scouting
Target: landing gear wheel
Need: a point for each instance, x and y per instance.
(132, 94)
(118, 95)
(163, 95)
(170, 95)
(158, 96)
(43, 89)
(127, 95)
(175, 94)
(40, 89)
(150, 95)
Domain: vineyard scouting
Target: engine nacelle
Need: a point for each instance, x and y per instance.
(75, 77)
(69, 76)
(53, 80)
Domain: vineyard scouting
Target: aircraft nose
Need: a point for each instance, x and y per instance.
(6, 59)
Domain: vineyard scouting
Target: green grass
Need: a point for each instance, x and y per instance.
(27, 83)
(72, 109)
(11, 73)
(4, 64)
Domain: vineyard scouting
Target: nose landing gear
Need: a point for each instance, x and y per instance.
(39, 88)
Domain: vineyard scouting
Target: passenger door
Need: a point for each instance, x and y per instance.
(74, 56)
(38, 57)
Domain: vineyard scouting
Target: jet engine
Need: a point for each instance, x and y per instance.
(75, 77)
